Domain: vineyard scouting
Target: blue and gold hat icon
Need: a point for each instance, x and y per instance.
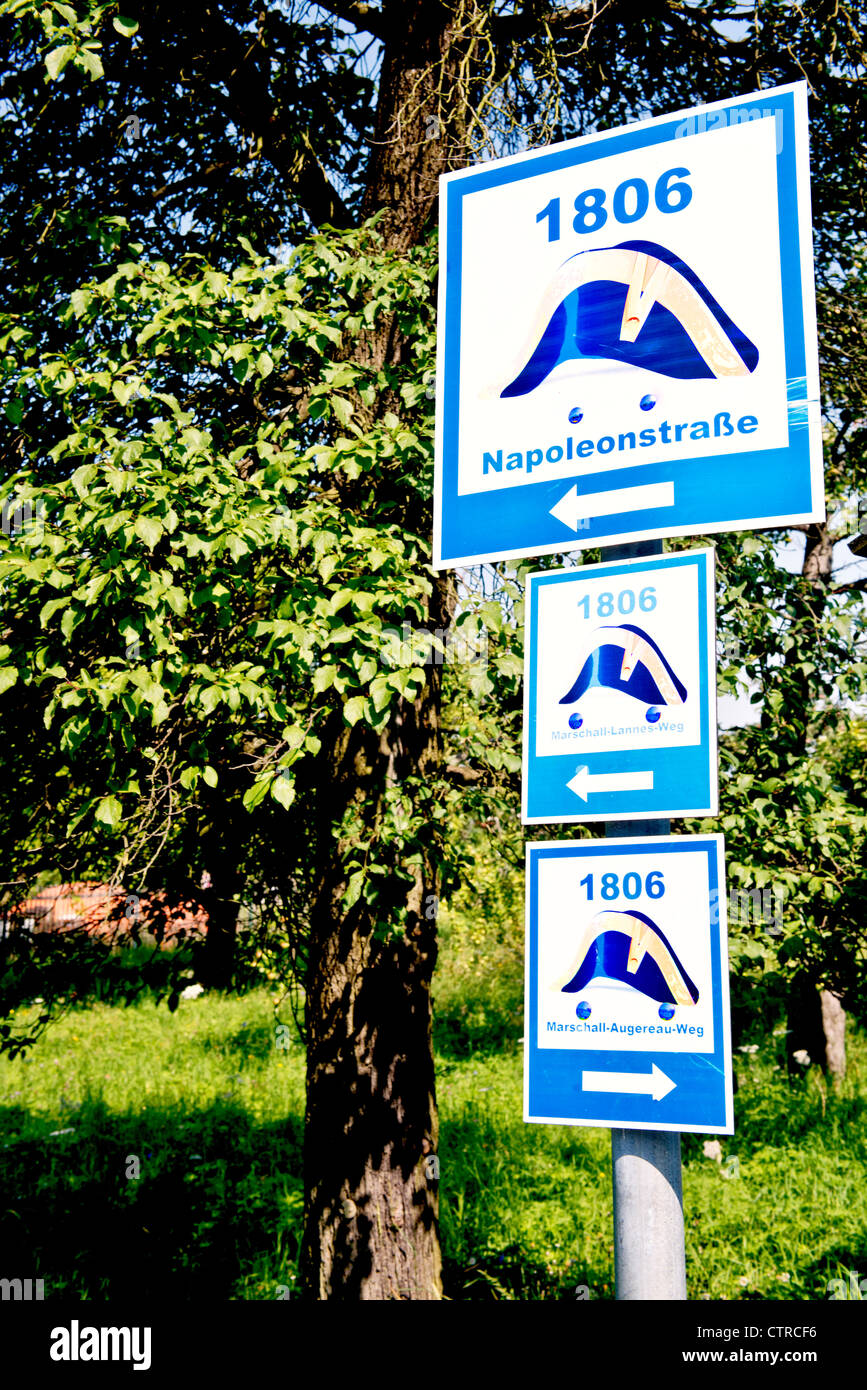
(626, 658)
(628, 947)
(636, 303)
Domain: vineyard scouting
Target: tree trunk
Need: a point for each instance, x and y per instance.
(805, 1034)
(817, 1027)
(817, 1020)
(371, 1165)
(218, 956)
(370, 1145)
(834, 1029)
(370, 1230)
(818, 561)
(420, 119)
(221, 900)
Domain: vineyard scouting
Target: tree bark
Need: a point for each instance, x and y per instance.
(370, 1146)
(805, 1033)
(834, 1029)
(221, 901)
(818, 563)
(370, 1230)
(817, 1020)
(218, 956)
(371, 1162)
(420, 121)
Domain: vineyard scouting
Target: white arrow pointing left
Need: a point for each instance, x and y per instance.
(634, 1083)
(585, 782)
(574, 507)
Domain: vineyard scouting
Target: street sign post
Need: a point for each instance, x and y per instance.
(627, 339)
(627, 1017)
(620, 691)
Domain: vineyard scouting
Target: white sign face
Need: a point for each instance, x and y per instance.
(632, 313)
(618, 1013)
(726, 233)
(620, 690)
(570, 629)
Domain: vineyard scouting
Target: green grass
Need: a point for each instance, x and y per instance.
(213, 1111)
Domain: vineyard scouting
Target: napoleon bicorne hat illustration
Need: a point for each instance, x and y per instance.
(637, 303)
(625, 658)
(628, 947)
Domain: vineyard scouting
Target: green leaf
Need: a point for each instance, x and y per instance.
(253, 795)
(323, 677)
(124, 26)
(8, 677)
(210, 698)
(149, 529)
(48, 609)
(161, 712)
(82, 477)
(380, 694)
(342, 409)
(210, 776)
(79, 301)
(95, 587)
(57, 59)
(509, 664)
(90, 62)
(122, 390)
(354, 709)
(407, 682)
(109, 812)
(353, 889)
(283, 790)
(236, 547)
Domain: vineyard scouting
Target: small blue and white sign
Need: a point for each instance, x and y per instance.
(627, 998)
(620, 691)
(627, 336)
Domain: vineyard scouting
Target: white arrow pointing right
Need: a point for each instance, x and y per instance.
(585, 782)
(572, 509)
(634, 1083)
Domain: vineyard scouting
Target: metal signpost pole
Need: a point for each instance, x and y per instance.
(649, 1253)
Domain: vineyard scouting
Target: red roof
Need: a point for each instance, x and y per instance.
(107, 913)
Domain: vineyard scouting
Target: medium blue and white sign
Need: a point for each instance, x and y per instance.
(627, 336)
(627, 1001)
(620, 691)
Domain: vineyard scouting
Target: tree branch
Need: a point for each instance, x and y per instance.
(180, 185)
(365, 17)
(290, 151)
(463, 775)
(315, 191)
(857, 585)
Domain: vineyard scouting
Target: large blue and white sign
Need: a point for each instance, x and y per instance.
(627, 336)
(620, 691)
(627, 1005)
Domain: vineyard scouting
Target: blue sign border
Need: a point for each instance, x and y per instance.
(757, 488)
(702, 1101)
(684, 779)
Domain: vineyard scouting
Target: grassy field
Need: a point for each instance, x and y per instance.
(212, 1110)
